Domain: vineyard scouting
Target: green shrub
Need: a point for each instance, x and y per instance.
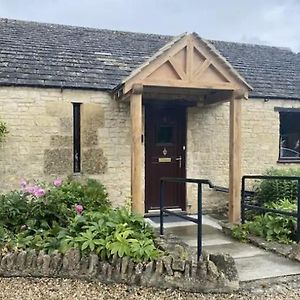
(272, 227)
(114, 232)
(68, 215)
(90, 194)
(269, 190)
(42, 206)
(14, 210)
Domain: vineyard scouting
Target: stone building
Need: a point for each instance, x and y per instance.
(127, 108)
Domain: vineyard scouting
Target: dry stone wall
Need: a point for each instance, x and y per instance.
(214, 273)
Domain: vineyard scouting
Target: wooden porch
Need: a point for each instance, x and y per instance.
(188, 68)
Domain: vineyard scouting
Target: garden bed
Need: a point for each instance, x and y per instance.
(70, 230)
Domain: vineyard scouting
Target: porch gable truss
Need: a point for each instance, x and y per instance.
(187, 62)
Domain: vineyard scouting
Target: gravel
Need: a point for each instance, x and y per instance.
(46, 288)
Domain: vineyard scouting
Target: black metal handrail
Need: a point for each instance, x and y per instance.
(198, 221)
(245, 194)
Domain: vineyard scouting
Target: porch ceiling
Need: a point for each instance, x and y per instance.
(189, 66)
(190, 95)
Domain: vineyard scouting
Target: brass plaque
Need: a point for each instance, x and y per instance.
(164, 159)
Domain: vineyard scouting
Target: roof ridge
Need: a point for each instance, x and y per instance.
(254, 45)
(8, 20)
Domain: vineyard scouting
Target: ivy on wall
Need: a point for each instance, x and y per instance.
(3, 130)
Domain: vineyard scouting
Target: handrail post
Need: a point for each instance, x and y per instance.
(199, 227)
(243, 201)
(298, 213)
(161, 205)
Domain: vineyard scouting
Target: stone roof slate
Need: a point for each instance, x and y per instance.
(40, 54)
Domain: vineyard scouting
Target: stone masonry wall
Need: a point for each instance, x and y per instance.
(207, 153)
(40, 144)
(260, 134)
(208, 144)
(213, 273)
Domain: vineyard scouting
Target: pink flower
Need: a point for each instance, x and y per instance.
(31, 189)
(23, 183)
(57, 182)
(39, 192)
(79, 209)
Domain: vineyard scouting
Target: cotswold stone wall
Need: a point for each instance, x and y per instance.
(208, 152)
(208, 145)
(213, 273)
(260, 135)
(40, 143)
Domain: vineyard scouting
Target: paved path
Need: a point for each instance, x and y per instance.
(252, 262)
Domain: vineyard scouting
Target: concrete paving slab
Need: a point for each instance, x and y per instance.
(211, 240)
(236, 250)
(265, 266)
(252, 262)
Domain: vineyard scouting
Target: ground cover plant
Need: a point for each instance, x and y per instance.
(273, 194)
(72, 214)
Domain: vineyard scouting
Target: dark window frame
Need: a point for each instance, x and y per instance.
(283, 114)
(76, 137)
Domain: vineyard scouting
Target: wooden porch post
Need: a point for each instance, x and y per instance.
(235, 157)
(136, 149)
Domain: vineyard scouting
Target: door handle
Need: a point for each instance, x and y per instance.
(180, 160)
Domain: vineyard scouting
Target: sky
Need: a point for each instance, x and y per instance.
(269, 22)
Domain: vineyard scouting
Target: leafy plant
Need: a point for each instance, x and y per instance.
(268, 191)
(112, 232)
(90, 194)
(71, 214)
(271, 226)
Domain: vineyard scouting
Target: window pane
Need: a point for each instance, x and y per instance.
(289, 134)
(76, 138)
(164, 135)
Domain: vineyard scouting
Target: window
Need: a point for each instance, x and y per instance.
(76, 138)
(164, 135)
(289, 135)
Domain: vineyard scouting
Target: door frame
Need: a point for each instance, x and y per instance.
(163, 104)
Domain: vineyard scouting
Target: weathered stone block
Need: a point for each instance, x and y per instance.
(71, 262)
(167, 260)
(56, 262)
(225, 263)
(21, 260)
(58, 161)
(178, 265)
(93, 161)
(31, 261)
(93, 265)
(212, 270)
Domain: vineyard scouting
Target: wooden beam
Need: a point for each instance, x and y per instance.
(202, 68)
(189, 59)
(136, 149)
(235, 158)
(190, 84)
(177, 68)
